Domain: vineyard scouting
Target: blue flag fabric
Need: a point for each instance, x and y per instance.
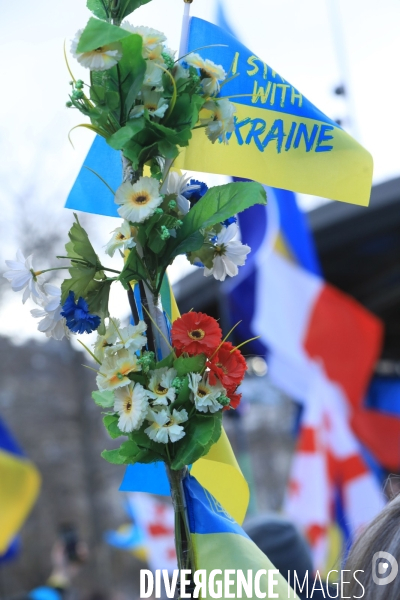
(89, 194)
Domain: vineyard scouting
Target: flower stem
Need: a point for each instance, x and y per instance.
(183, 540)
(47, 270)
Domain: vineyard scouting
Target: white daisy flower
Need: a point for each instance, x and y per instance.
(160, 387)
(122, 238)
(53, 323)
(105, 343)
(131, 337)
(153, 101)
(22, 275)
(221, 121)
(211, 73)
(114, 370)
(131, 405)
(165, 426)
(151, 37)
(229, 254)
(100, 59)
(153, 75)
(204, 395)
(176, 185)
(138, 201)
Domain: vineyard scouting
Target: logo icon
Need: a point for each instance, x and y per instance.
(384, 571)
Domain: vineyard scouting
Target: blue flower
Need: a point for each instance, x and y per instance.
(194, 195)
(229, 221)
(77, 315)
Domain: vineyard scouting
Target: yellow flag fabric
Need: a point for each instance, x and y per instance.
(221, 545)
(19, 487)
(280, 138)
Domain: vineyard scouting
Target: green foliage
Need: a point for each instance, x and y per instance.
(99, 33)
(113, 456)
(133, 269)
(131, 69)
(104, 9)
(111, 424)
(192, 364)
(99, 8)
(104, 399)
(202, 431)
(80, 246)
(123, 135)
(183, 396)
(168, 361)
(97, 296)
(220, 203)
(85, 263)
(128, 6)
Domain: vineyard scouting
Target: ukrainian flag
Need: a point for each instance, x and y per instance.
(19, 487)
(220, 543)
(280, 138)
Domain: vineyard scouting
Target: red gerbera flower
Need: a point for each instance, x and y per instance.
(228, 365)
(234, 401)
(196, 333)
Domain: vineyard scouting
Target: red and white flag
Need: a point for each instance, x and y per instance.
(156, 521)
(323, 348)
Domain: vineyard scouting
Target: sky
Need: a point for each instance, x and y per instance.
(297, 38)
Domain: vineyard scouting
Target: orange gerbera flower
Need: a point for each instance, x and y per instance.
(228, 365)
(196, 333)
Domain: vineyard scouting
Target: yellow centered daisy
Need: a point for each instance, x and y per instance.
(131, 405)
(138, 201)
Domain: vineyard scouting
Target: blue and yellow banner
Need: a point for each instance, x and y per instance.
(19, 487)
(219, 541)
(280, 139)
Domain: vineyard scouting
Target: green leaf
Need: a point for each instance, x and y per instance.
(155, 243)
(167, 149)
(131, 70)
(98, 8)
(100, 33)
(202, 431)
(97, 296)
(132, 151)
(118, 139)
(80, 246)
(81, 278)
(183, 396)
(104, 399)
(186, 111)
(220, 203)
(168, 361)
(190, 244)
(193, 364)
(112, 100)
(113, 456)
(128, 6)
(138, 378)
(129, 448)
(97, 92)
(133, 269)
(111, 424)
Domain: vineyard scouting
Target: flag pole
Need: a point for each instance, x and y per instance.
(185, 27)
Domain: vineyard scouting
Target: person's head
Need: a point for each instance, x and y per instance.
(382, 535)
(286, 548)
